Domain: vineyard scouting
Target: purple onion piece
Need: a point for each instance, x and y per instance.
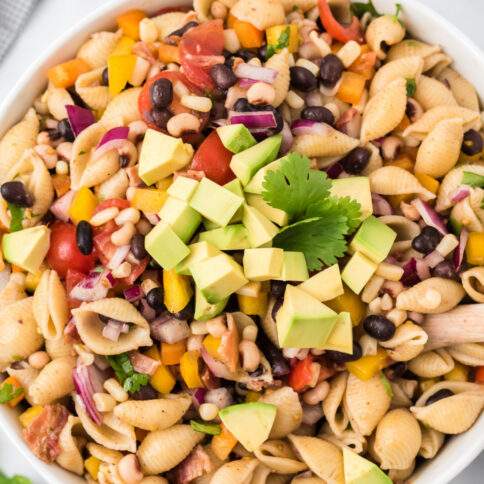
(79, 118)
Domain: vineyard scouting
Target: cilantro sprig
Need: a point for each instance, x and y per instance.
(125, 373)
(205, 428)
(282, 42)
(360, 8)
(472, 179)
(14, 479)
(17, 215)
(411, 87)
(8, 392)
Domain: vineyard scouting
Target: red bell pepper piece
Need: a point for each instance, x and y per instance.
(335, 29)
(479, 378)
(301, 374)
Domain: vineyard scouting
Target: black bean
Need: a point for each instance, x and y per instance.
(331, 69)
(339, 357)
(15, 192)
(278, 288)
(379, 327)
(303, 79)
(318, 113)
(84, 237)
(155, 299)
(105, 77)
(396, 370)
(427, 240)
(146, 392)
(446, 270)
(439, 395)
(123, 161)
(138, 246)
(277, 305)
(410, 110)
(160, 117)
(356, 160)
(161, 93)
(242, 105)
(187, 313)
(472, 143)
(219, 111)
(245, 54)
(223, 76)
(279, 365)
(65, 130)
(185, 28)
(262, 52)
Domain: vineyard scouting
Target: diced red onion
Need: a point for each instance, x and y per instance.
(133, 293)
(334, 171)
(143, 364)
(146, 310)
(220, 397)
(433, 259)
(287, 139)
(248, 71)
(429, 215)
(91, 288)
(79, 118)
(118, 257)
(459, 251)
(88, 381)
(380, 205)
(410, 277)
(121, 132)
(101, 362)
(170, 330)
(422, 269)
(350, 123)
(110, 279)
(253, 120)
(216, 367)
(112, 329)
(199, 395)
(245, 83)
(308, 126)
(460, 194)
(60, 208)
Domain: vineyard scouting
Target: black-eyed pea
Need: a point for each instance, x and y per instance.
(62, 167)
(390, 147)
(123, 235)
(148, 31)
(123, 270)
(250, 355)
(136, 130)
(261, 93)
(104, 402)
(182, 123)
(216, 326)
(129, 469)
(38, 360)
(48, 155)
(143, 226)
(316, 394)
(126, 215)
(112, 386)
(64, 150)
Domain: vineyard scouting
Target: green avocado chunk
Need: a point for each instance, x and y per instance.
(204, 310)
(359, 470)
(236, 137)
(180, 217)
(198, 251)
(232, 237)
(358, 272)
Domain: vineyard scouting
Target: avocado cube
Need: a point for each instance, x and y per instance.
(235, 187)
(262, 264)
(204, 310)
(294, 267)
(161, 155)
(261, 229)
(27, 248)
(303, 321)
(209, 225)
(256, 184)
(341, 338)
(275, 215)
(214, 202)
(324, 285)
(180, 217)
(373, 239)
(198, 251)
(246, 163)
(232, 237)
(357, 188)
(358, 272)
(182, 188)
(218, 277)
(236, 137)
(359, 470)
(165, 246)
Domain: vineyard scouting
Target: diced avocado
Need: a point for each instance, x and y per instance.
(198, 251)
(246, 163)
(294, 267)
(214, 202)
(356, 187)
(359, 470)
(218, 277)
(236, 137)
(256, 184)
(204, 310)
(358, 272)
(161, 155)
(341, 338)
(209, 225)
(250, 423)
(182, 188)
(165, 246)
(303, 321)
(324, 285)
(261, 229)
(275, 215)
(232, 237)
(27, 248)
(235, 187)
(180, 217)
(263, 264)
(373, 239)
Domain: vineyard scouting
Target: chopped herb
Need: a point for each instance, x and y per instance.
(14, 479)
(411, 87)
(360, 8)
(295, 8)
(472, 179)
(398, 10)
(17, 214)
(131, 380)
(205, 428)
(386, 385)
(282, 42)
(8, 393)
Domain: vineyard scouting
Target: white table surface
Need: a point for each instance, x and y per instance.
(51, 19)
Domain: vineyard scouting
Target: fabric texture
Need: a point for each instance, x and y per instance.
(13, 15)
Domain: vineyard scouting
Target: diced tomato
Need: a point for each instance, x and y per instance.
(335, 29)
(136, 271)
(479, 378)
(301, 375)
(105, 249)
(200, 49)
(72, 279)
(112, 202)
(63, 252)
(214, 160)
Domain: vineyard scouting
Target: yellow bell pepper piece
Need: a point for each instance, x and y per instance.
(252, 396)
(123, 47)
(65, 74)
(178, 290)
(148, 200)
(459, 373)
(92, 466)
(273, 36)
(223, 443)
(162, 380)
(350, 302)
(475, 249)
(424, 385)
(369, 365)
(15, 384)
(189, 369)
(129, 23)
(83, 205)
(32, 281)
(253, 306)
(211, 344)
(428, 182)
(402, 162)
(171, 353)
(164, 183)
(120, 68)
(27, 417)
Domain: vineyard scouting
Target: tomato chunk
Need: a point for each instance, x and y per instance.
(301, 375)
(335, 29)
(112, 202)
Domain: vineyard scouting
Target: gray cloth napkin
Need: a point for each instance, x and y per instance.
(13, 15)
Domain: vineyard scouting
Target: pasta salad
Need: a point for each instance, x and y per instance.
(243, 242)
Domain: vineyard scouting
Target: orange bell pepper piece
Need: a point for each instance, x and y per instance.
(171, 353)
(169, 53)
(249, 36)
(223, 443)
(129, 23)
(65, 74)
(351, 87)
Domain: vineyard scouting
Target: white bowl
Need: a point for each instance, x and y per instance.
(421, 21)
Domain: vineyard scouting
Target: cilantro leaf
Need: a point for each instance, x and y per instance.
(335, 207)
(205, 428)
(386, 385)
(398, 10)
(134, 382)
(14, 479)
(282, 42)
(411, 87)
(17, 214)
(472, 179)
(294, 186)
(124, 371)
(8, 393)
(360, 8)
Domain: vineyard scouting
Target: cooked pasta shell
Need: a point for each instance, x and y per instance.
(385, 110)
(202, 9)
(401, 475)
(97, 49)
(114, 187)
(50, 306)
(331, 143)
(302, 5)
(383, 29)
(235, 472)
(70, 457)
(25, 376)
(19, 337)
(280, 63)
(471, 354)
(289, 411)
(162, 450)
(16, 140)
(437, 63)
(269, 325)
(473, 283)
(122, 110)
(432, 364)
(91, 91)
(278, 456)
(59, 347)
(406, 67)
(104, 454)
(393, 180)
(322, 457)
(260, 475)
(440, 149)
(431, 93)
(260, 13)
(432, 441)
(465, 216)
(156, 414)
(154, 480)
(348, 438)
(375, 160)
(463, 91)
(397, 439)
(333, 408)
(411, 47)
(403, 391)
(167, 23)
(307, 480)
(90, 327)
(13, 291)
(57, 100)
(408, 342)
(54, 381)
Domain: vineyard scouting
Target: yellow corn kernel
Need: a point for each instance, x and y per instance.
(252, 396)
(211, 344)
(171, 353)
(424, 385)
(431, 184)
(15, 384)
(164, 183)
(148, 200)
(475, 249)
(459, 373)
(350, 302)
(162, 380)
(83, 205)
(27, 417)
(178, 290)
(32, 281)
(368, 366)
(92, 466)
(124, 46)
(273, 34)
(253, 306)
(223, 443)
(189, 369)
